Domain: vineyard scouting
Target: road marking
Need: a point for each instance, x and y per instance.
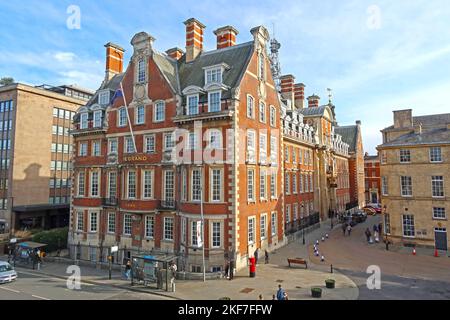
(8, 289)
(39, 297)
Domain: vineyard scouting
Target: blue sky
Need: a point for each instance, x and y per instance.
(377, 56)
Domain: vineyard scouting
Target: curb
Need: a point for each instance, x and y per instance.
(101, 284)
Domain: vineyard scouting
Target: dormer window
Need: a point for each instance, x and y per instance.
(103, 98)
(213, 75)
(192, 102)
(141, 74)
(84, 120)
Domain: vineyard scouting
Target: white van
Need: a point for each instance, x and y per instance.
(7, 272)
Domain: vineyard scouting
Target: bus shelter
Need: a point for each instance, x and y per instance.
(27, 253)
(153, 269)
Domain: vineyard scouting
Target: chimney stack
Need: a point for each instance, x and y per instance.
(299, 95)
(313, 101)
(403, 119)
(226, 37)
(175, 53)
(287, 88)
(194, 38)
(114, 60)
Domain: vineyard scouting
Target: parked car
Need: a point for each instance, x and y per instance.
(359, 216)
(370, 211)
(374, 206)
(349, 219)
(7, 272)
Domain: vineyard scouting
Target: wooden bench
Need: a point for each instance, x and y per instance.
(297, 261)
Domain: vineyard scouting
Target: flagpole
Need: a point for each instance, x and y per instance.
(203, 225)
(128, 117)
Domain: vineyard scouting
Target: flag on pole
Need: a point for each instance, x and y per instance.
(199, 234)
(117, 94)
(128, 116)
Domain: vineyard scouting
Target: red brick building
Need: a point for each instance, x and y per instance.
(372, 178)
(205, 129)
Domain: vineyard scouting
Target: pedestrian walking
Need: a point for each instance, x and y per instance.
(368, 234)
(227, 269)
(376, 237)
(280, 293)
(344, 227)
(231, 269)
(349, 229)
(260, 297)
(266, 257)
(375, 228)
(256, 255)
(274, 297)
(128, 270)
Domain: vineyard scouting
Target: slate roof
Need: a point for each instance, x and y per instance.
(430, 120)
(439, 135)
(236, 57)
(349, 135)
(313, 112)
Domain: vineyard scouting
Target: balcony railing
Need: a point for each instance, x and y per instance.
(90, 126)
(302, 223)
(110, 202)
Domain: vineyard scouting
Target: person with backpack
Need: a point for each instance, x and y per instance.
(280, 293)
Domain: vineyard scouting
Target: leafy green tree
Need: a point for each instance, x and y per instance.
(6, 80)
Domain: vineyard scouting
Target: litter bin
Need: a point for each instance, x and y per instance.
(252, 267)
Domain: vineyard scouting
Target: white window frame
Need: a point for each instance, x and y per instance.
(128, 145)
(435, 157)
(166, 190)
(122, 119)
(251, 185)
(262, 113)
(262, 184)
(110, 185)
(274, 223)
(156, 107)
(93, 216)
(188, 104)
(83, 149)
(111, 142)
(404, 188)
(95, 144)
(405, 219)
(384, 186)
(251, 230)
(128, 185)
(210, 94)
(263, 226)
(405, 156)
(166, 220)
(437, 185)
(165, 141)
(91, 184)
(439, 210)
(250, 107)
(84, 120)
(149, 228)
(197, 195)
(212, 187)
(213, 75)
(103, 98)
(83, 189)
(111, 222)
(98, 117)
(127, 222)
(273, 116)
(136, 114)
(80, 221)
(218, 143)
(147, 139)
(145, 174)
(141, 72)
(214, 236)
(262, 147)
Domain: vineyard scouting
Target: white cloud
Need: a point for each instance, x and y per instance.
(64, 56)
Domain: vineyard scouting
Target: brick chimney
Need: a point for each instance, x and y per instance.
(313, 101)
(226, 37)
(299, 95)
(287, 88)
(114, 60)
(175, 53)
(194, 38)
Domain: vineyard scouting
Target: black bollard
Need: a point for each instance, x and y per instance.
(331, 268)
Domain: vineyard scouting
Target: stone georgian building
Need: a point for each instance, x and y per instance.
(415, 175)
(206, 128)
(373, 178)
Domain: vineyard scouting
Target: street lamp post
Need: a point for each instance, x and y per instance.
(203, 225)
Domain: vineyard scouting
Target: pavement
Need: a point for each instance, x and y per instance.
(296, 281)
(403, 275)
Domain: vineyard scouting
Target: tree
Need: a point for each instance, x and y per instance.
(6, 80)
